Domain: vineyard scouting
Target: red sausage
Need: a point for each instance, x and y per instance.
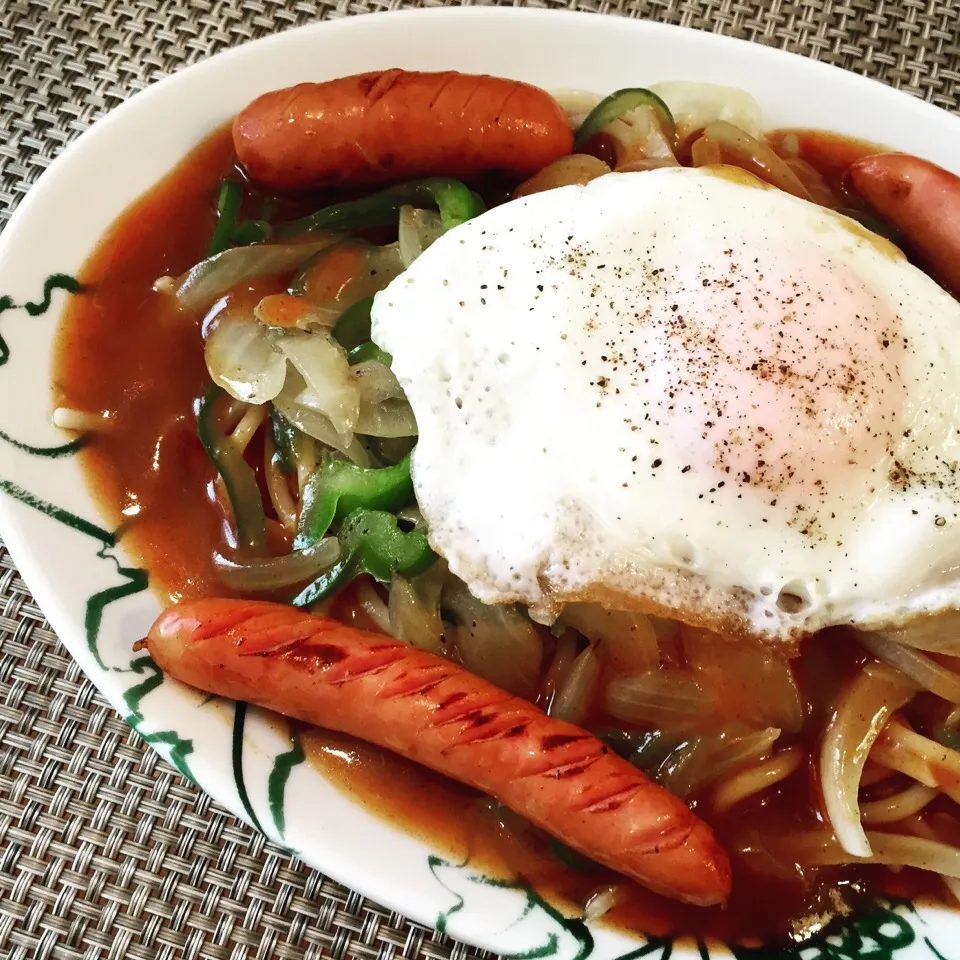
(395, 125)
(922, 201)
(426, 708)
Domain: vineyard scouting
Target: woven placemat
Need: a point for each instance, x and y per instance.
(104, 850)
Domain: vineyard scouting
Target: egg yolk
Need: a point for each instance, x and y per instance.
(776, 369)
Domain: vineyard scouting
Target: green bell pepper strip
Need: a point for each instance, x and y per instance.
(615, 106)
(284, 435)
(368, 351)
(228, 213)
(238, 475)
(370, 542)
(646, 750)
(353, 325)
(338, 487)
(653, 751)
(251, 231)
(229, 232)
(456, 202)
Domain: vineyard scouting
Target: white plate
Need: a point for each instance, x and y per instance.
(96, 600)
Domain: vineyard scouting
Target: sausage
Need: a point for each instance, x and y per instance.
(393, 125)
(433, 711)
(920, 200)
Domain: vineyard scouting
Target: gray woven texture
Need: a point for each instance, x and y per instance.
(104, 850)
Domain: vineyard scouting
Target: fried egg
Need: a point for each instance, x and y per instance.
(683, 392)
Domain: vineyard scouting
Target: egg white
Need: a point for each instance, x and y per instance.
(682, 392)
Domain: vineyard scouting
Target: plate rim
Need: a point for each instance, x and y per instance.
(27, 561)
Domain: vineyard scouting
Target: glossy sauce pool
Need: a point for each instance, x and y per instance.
(124, 350)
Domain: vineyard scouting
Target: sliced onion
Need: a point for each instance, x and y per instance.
(415, 609)
(391, 419)
(940, 634)
(739, 148)
(751, 846)
(716, 755)
(289, 310)
(201, 285)
(668, 640)
(576, 168)
(371, 603)
(386, 265)
(242, 359)
(788, 145)
(813, 180)
(667, 699)
(705, 152)
(315, 424)
(495, 641)
(752, 682)
(695, 105)
(628, 641)
(641, 143)
(670, 770)
(329, 385)
(346, 272)
(921, 669)
(572, 702)
(417, 230)
(565, 652)
(865, 706)
(602, 901)
(306, 458)
(276, 572)
(377, 382)
(820, 850)
(576, 104)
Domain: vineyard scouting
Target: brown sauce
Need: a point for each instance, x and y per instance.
(828, 153)
(124, 349)
(768, 904)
